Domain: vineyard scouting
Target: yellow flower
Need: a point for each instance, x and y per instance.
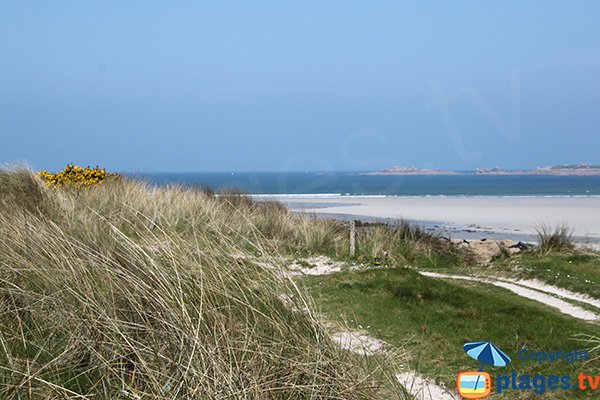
(77, 177)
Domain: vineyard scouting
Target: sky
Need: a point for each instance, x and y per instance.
(145, 86)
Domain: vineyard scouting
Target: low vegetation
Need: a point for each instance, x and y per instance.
(432, 318)
(576, 270)
(555, 261)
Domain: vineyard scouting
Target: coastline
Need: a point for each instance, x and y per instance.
(555, 170)
(515, 218)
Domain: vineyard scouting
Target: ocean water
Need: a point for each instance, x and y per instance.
(332, 184)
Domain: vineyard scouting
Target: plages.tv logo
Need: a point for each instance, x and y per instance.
(478, 384)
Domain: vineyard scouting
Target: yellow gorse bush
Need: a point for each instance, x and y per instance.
(77, 177)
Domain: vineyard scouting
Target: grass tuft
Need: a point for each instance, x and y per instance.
(557, 239)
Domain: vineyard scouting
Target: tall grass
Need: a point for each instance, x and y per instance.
(555, 239)
(402, 243)
(125, 291)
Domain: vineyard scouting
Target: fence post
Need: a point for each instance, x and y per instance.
(352, 238)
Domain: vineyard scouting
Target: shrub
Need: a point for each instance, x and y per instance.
(76, 177)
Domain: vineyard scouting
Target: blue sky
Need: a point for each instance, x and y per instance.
(274, 86)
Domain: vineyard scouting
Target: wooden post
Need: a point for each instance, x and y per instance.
(352, 238)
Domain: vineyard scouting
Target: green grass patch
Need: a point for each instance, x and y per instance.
(432, 318)
(577, 271)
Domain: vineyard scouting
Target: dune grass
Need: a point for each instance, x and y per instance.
(131, 292)
(554, 239)
(402, 243)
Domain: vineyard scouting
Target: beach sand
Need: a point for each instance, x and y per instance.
(508, 216)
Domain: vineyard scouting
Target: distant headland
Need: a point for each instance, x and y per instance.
(563, 170)
(411, 171)
(559, 170)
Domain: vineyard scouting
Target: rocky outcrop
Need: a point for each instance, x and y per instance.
(484, 251)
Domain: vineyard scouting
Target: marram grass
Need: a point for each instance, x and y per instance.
(124, 291)
(554, 240)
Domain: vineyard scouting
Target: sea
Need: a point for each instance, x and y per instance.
(333, 184)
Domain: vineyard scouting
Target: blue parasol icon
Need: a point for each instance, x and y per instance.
(487, 353)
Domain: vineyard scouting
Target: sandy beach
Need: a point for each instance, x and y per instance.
(503, 215)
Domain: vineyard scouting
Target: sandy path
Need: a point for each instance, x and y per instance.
(359, 342)
(519, 288)
(423, 388)
(567, 294)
